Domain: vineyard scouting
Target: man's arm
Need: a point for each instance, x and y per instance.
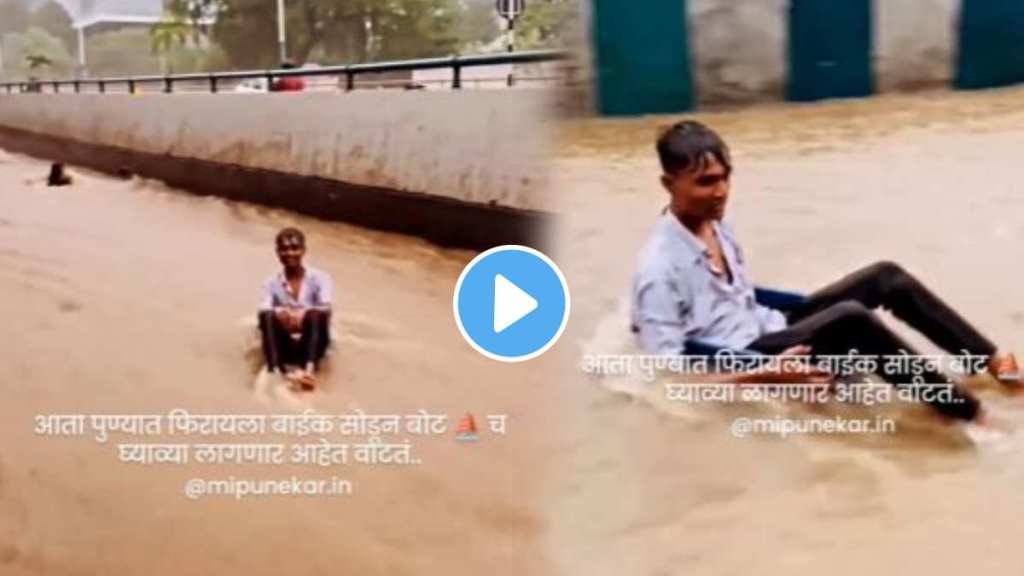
(325, 293)
(660, 307)
(660, 319)
(291, 320)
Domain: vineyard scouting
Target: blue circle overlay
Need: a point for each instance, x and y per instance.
(533, 273)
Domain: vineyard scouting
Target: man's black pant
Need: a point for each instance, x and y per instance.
(279, 348)
(838, 318)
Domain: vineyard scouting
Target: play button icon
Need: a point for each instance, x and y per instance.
(511, 303)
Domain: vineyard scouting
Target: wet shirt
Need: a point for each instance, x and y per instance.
(317, 290)
(677, 295)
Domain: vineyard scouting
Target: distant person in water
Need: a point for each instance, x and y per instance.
(288, 83)
(295, 313)
(692, 283)
(58, 177)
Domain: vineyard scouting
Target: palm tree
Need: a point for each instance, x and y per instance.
(164, 36)
(36, 61)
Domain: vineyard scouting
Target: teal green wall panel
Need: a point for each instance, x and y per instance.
(991, 51)
(829, 49)
(642, 57)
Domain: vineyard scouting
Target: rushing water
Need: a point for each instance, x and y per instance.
(931, 181)
(126, 297)
(122, 297)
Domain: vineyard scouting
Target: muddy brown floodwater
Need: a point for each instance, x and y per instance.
(933, 181)
(124, 297)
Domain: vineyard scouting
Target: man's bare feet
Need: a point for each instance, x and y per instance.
(1003, 366)
(308, 381)
(302, 379)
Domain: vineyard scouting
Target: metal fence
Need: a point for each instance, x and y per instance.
(502, 70)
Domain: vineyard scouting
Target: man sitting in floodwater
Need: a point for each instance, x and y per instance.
(691, 283)
(295, 312)
(58, 176)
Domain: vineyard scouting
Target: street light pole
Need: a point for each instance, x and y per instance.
(510, 10)
(512, 35)
(282, 45)
(81, 51)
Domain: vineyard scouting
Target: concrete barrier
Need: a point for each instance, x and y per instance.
(738, 50)
(740, 46)
(459, 167)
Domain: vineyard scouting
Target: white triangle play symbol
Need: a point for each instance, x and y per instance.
(511, 303)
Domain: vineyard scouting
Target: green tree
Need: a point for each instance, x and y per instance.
(171, 33)
(123, 52)
(189, 58)
(53, 18)
(547, 23)
(141, 51)
(413, 29)
(36, 52)
(332, 31)
(36, 61)
(479, 25)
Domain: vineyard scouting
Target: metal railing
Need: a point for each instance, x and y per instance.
(347, 75)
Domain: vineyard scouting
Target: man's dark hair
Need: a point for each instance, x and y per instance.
(290, 233)
(685, 147)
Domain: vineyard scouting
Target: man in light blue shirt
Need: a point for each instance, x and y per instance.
(295, 312)
(691, 283)
(678, 278)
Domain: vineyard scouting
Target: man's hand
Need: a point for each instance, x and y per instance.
(798, 350)
(302, 379)
(297, 315)
(290, 318)
(284, 317)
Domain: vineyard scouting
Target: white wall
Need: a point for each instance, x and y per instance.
(915, 43)
(478, 146)
(739, 47)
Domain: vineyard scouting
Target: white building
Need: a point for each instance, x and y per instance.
(86, 14)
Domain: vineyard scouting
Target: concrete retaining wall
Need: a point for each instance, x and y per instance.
(738, 49)
(740, 54)
(915, 43)
(477, 151)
